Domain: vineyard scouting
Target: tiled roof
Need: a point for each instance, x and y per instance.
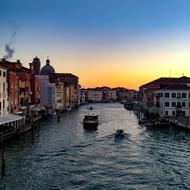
(166, 80)
(176, 87)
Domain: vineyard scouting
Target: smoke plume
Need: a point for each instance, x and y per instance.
(9, 52)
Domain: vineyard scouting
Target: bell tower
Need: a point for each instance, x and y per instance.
(35, 66)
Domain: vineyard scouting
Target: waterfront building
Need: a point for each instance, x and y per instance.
(58, 90)
(22, 81)
(82, 96)
(3, 92)
(13, 91)
(47, 91)
(59, 93)
(72, 87)
(173, 100)
(120, 93)
(35, 88)
(147, 91)
(131, 95)
(25, 92)
(100, 94)
(94, 95)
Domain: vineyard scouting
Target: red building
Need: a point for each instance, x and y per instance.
(13, 91)
(35, 88)
(26, 84)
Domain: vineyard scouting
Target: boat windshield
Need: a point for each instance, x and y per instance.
(91, 117)
(120, 131)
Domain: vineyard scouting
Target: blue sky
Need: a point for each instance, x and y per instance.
(62, 29)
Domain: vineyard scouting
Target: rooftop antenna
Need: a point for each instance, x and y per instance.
(182, 74)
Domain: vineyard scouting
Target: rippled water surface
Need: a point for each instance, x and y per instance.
(65, 156)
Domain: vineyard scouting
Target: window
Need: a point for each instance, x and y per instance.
(167, 95)
(183, 95)
(173, 104)
(189, 95)
(157, 104)
(3, 104)
(183, 104)
(4, 75)
(173, 112)
(0, 72)
(167, 104)
(161, 94)
(179, 104)
(3, 87)
(173, 95)
(166, 112)
(178, 95)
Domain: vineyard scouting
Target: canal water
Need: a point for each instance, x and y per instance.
(64, 156)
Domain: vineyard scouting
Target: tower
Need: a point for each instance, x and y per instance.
(35, 66)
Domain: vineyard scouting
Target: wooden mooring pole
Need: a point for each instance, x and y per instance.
(58, 115)
(3, 160)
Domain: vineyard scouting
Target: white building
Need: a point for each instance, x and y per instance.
(173, 100)
(47, 92)
(94, 96)
(112, 95)
(3, 92)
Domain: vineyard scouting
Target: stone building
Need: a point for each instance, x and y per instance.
(3, 92)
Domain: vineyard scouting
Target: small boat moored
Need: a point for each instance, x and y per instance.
(119, 133)
(52, 112)
(90, 121)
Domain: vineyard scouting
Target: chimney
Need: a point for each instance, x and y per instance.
(18, 61)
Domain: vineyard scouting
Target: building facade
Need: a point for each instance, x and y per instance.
(13, 91)
(147, 91)
(4, 108)
(173, 101)
(23, 86)
(94, 96)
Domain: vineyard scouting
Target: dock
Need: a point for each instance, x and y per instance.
(10, 125)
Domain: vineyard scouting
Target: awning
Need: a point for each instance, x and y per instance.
(9, 118)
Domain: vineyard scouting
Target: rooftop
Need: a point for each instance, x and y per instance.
(167, 80)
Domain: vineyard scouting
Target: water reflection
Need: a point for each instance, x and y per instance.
(65, 156)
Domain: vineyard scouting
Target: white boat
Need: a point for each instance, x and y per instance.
(90, 121)
(69, 108)
(52, 112)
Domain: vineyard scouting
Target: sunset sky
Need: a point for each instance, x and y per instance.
(104, 42)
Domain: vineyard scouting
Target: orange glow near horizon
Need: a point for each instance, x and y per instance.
(119, 65)
(126, 70)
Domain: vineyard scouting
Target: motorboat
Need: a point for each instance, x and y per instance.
(120, 133)
(90, 108)
(90, 121)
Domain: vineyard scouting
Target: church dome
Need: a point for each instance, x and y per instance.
(47, 69)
